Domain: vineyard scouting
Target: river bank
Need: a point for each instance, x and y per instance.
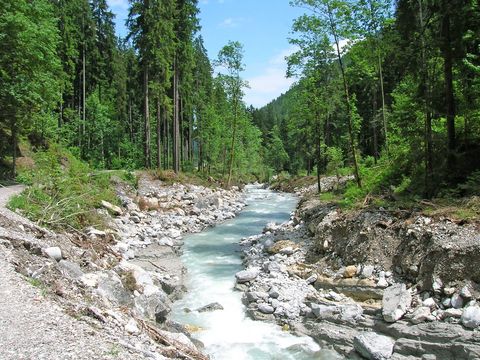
(119, 282)
(368, 282)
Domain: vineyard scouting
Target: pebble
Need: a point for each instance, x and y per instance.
(457, 301)
(53, 252)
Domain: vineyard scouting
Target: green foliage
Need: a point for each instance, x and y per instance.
(63, 192)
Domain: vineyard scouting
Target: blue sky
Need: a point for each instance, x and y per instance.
(262, 26)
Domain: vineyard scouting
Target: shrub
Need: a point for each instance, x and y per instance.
(63, 192)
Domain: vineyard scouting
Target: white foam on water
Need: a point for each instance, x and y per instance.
(212, 263)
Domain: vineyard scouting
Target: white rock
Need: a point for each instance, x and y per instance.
(90, 279)
(466, 293)
(396, 301)
(437, 285)
(311, 279)
(53, 252)
(132, 327)
(471, 317)
(367, 271)
(449, 291)
(246, 275)
(455, 313)
(382, 282)
(373, 346)
(429, 302)
(165, 241)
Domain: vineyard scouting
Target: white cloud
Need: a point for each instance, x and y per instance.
(272, 83)
(230, 22)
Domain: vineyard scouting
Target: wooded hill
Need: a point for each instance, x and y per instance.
(147, 101)
(399, 102)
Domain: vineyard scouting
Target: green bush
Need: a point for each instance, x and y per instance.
(63, 191)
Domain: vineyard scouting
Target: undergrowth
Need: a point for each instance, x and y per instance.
(63, 192)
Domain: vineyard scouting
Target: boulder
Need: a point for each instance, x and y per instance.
(53, 252)
(115, 210)
(246, 276)
(396, 301)
(210, 307)
(471, 317)
(373, 346)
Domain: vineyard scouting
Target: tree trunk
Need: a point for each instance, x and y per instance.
(449, 94)
(176, 120)
(428, 117)
(384, 115)
(319, 161)
(13, 126)
(232, 153)
(146, 144)
(374, 126)
(83, 93)
(159, 135)
(347, 96)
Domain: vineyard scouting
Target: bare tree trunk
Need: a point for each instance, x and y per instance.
(146, 144)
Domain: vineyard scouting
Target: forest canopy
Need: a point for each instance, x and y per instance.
(386, 90)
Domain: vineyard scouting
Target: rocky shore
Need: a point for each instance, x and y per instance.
(120, 281)
(369, 284)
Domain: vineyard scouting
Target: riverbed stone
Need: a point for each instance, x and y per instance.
(210, 307)
(374, 346)
(396, 301)
(471, 317)
(421, 314)
(246, 275)
(265, 308)
(350, 271)
(457, 301)
(367, 271)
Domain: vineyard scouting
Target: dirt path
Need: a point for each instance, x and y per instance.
(34, 327)
(8, 191)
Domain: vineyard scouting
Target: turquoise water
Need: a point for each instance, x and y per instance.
(212, 259)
